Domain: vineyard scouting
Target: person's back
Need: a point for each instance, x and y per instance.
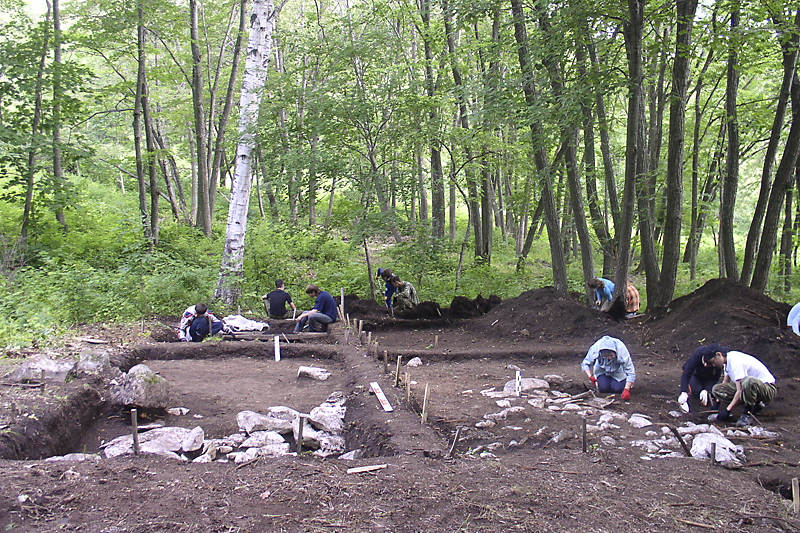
(278, 300)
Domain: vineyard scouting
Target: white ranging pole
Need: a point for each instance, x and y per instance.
(262, 22)
(277, 348)
(518, 384)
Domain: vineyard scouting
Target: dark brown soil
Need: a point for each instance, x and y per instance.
(529, 483)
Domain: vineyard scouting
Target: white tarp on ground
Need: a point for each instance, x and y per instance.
(240, 323)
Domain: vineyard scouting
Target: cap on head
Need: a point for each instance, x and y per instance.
(711, 351)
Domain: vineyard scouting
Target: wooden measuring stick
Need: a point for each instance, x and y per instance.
(425, 406)
(300, 424)
(376, 389)
(518, 383)
(385, 362)
(407, 379)
(397, 373)
(360, 469)
(135, 428)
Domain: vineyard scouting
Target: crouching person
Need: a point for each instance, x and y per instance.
(323, 313)
(609, 366)
(747, 381)
(197, 323)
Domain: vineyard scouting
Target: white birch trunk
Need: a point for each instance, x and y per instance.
(262, 22)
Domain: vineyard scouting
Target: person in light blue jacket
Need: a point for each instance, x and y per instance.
(609, 366)
(604, 292)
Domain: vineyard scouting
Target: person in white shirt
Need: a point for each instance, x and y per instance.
(747, 381)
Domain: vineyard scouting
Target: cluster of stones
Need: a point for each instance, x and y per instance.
(260, 435)
(704, 439)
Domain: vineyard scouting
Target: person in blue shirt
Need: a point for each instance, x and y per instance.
(609, 366)
(386, 275)
(604, 292)
(323, 313)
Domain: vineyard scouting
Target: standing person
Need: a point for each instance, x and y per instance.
(197, 323)
(604, 292)
(386, 275)
(698, 380)
(609, 366)
(405, 296)
(278, 300)
(632, 300)
(323, 313)
(747, 381)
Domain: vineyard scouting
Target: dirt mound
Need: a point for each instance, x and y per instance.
(364, 309)
(544, 313)
(731, 314)
(425, 310)
(463, 307)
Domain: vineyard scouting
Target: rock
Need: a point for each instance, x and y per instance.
(92, 362)
(328, 417)
(273, 450)
(638, 421)
(727, 452)
(177, 411)
(140, 387)
(194, 440)
(486, 424)
(166, 439)
(210, 448)
(538, 403)
(250, 421)
(608, 441)
(675, 414)
(79, 457)
(554, 378)
(320, 374)
(205, 458)
(526, 384)
(414, 361)
(525, 332)
(505, 413)
(224, 449)
(503, 403)
(234, 440)
(514, 368)
(260, 439)
(561, 436)
(42, 368)
(351, 455)
(696, 429)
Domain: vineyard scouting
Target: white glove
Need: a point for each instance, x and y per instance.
(704, 397)
(683, 401)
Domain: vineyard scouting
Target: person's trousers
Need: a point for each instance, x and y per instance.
(198, 330)
(606, 383)
(753, 391)
(697, 385)
(316, 322)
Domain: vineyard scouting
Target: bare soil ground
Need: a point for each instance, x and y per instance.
(527, 483)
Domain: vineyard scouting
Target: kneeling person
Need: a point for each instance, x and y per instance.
(609, 366)
(405, 296)
(698, 380)
(323, 313)
(747, 381)
(197, 323)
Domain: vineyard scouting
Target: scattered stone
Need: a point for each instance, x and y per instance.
(352, 455)
(727, 452)
(320, 374)
(554, 378)
(204, 458)
(468, 391)
(652, 434)
(608, 441)
(78, 457)
(505, 413)
(494, 446)
(561, 436)
(330, 445)
(526, 384)
(639, 421)
(328, 417)
(250, 421)
(758, 431)
(197, 416)
(273, 450)
(194, 440)
(485, 424)
(177, 411)
(92, 362)
(525, 332)
(42, 368)
(538, 403)
(487, 455)
(140, 387)
(415, 361)
(675, 414)
(503, 403)
(259, 439)
(514, 368)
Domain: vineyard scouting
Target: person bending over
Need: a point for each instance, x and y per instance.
(698, 380)
(405, 296)
(197, 323)
(609, 366)
(604, 293)
(323, 313)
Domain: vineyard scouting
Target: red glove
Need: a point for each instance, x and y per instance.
(626, 394)
(593, 380)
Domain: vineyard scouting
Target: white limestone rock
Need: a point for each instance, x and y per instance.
(273, 450)
(526, 384)
(140, 387)
(42, 368)
(414, 361)
(726, 451)
(554, 379)
(250, 421)
(77, 457)
(259, 439)
(638, 421)
(177, 411)
(352, 455)
(320, 374)
(194, 440)
(93, 362)
(328, 417)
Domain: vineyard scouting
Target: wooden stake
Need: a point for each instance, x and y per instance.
(795, 496)
(13, 412)
(425, 406)
(455, 441)
(397, 373)
(135, 428)
(436, 341)
(347, 316)
(360, 469)
(347, 336)
(686, 449)
(713, 453)
(385, 362)
(407, 380)
(369, 337)
(360, 327)
(300, 424)
(341, 302)
(583, 432)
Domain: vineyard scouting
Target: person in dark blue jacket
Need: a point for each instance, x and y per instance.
(386, 275)
(698, 379)
(323, 313)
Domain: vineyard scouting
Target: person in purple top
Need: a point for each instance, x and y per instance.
(323, 313)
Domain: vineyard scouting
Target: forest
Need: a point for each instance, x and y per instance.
(155, 153)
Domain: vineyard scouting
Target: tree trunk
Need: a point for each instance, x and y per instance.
(262, 22)
(204, 210)
(634, 152)
(540, 156)
(731, 181)
(786, 242)
(137, 124)
(58, 171)
(195, 184)
(677, 128)
(790, 54)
